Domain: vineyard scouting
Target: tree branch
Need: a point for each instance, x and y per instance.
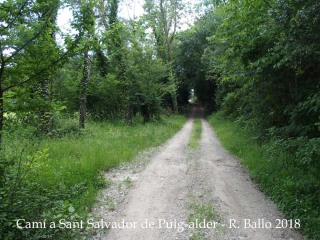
(175, 23)
(268, 4)
(2, 64)
(41, 71)
(15, 18)
(31, 39)
(23, 46)
(103, 15)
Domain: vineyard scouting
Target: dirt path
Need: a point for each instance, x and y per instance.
(236, 197)
(179, 183)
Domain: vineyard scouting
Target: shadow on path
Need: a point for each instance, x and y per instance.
(196, 111)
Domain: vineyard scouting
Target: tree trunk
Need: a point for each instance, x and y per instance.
(1, 115)
(1, 96)
(128, 114)
(2, 167)
(174, 101)
(83, 87)
(45, 115)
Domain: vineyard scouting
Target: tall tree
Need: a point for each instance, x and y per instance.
(85, 25)
(267, 71)
(47, 45)
(24, 30)
(163, 17)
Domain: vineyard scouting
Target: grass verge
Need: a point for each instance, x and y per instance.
(281, 172)
(196, 134)
(59, 178)
(204, 214)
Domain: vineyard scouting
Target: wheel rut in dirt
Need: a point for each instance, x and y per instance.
(159, 194)
(175, 177)
(247, 213)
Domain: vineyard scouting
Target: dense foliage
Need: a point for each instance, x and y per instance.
(262, 59)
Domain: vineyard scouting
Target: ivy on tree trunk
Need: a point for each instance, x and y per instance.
(84, 86)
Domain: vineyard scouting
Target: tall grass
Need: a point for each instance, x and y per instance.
(60, 178)
(103, 146)
(284, 169)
